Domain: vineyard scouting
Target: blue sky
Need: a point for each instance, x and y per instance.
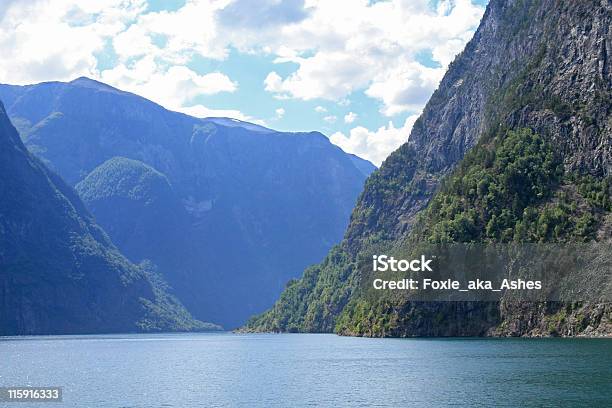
(359, 71)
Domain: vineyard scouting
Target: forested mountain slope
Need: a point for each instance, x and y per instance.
(532, 90)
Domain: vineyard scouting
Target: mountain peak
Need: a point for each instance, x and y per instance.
(86, 82)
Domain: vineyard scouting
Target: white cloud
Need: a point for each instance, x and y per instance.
(273, 82)
(405, 88)
(280, 112)
(327, 75)
(369, 46)
(133, 42)
(374, 145)
(320, 109)
(58, 40)
(174, 87)
(190, 30)
(330, 119)
(350, 117)
(213, 82)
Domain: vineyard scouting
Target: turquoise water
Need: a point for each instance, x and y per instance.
(223, 369)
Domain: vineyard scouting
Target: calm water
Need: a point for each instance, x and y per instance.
(194, 370)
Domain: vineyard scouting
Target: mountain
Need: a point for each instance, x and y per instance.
(229, 211)
(364, 166)
(138, 206)
(514, 146)
(59, 272)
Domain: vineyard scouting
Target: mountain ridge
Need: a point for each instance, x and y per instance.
(277, 199)
(13, 92)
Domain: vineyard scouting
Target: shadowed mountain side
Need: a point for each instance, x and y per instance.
(234, 211)
(59, 272)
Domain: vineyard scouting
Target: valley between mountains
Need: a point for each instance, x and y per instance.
(118, 215)
(223, 212)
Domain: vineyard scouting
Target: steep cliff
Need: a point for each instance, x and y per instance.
(59, 272)
(539, 68)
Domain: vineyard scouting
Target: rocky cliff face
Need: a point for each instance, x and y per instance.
(59, 272)
(542, 66)
(244, 210)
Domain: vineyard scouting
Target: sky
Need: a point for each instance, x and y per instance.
(359, 71)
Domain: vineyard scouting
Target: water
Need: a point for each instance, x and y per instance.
(223, 369)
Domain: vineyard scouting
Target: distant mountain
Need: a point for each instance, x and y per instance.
(229, 211)
(138, 206)
(59, 272)
(514, 146)
(363, 165)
